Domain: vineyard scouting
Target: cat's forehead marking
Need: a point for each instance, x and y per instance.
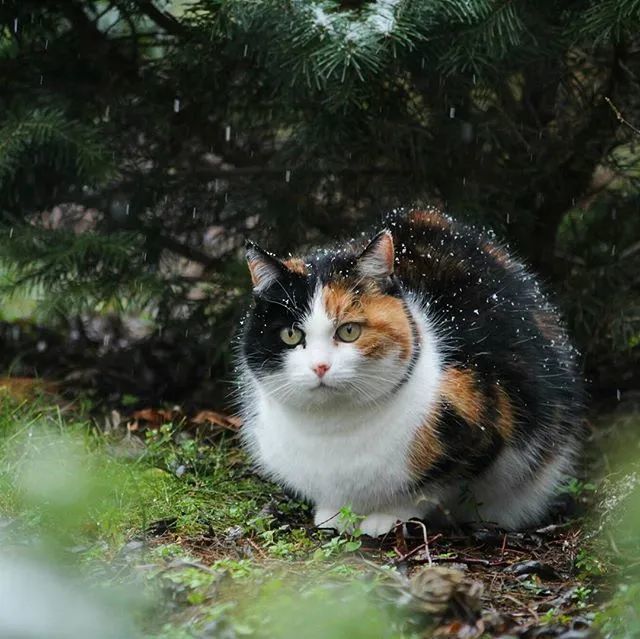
(296, 265)
(317, 322)
(337, 299)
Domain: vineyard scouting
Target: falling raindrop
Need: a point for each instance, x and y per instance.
(176, 105)
(227, 133)
(452, 112)
(618, 394)
(15, 25)
(287, 175)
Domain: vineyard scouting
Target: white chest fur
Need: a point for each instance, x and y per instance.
(353, 456)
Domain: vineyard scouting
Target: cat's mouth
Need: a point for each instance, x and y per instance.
(322, 385)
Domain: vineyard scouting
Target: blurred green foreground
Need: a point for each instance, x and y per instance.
(80, 554)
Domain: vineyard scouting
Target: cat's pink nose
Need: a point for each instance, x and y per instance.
(321, 369)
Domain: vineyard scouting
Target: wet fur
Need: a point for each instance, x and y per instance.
(460, 400)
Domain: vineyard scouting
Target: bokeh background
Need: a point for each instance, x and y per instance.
(142, 141)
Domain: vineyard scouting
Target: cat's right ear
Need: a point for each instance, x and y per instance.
(264, 268)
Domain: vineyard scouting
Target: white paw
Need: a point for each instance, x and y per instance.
(377, 524)
(327, 518)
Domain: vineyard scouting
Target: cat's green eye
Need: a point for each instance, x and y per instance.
(349, 332)
(291, 335)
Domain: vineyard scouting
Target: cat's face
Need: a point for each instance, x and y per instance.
(330, 332)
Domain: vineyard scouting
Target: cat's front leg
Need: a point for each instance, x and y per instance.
(381, 522)
(374, 524)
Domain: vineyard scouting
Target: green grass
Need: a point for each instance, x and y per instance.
(236, 557)
(62, 476)
(74, 497)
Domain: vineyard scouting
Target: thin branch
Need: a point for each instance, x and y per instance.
(162, 18)
(620, 117)
(265, 170)
(630, 250)
(189, 252)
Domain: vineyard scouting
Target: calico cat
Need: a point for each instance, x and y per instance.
(424, 375)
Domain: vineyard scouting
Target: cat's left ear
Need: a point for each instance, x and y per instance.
(264, 268)
(377, 259)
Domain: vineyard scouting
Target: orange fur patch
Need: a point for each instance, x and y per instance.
(426, 449)
(385, 324)
(431, 218)
(459, 389)
(547, 324)
(338, 301)
(498, 253)
(505, 422)
(296, 265)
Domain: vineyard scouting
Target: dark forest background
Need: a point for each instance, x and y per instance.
(142, 141)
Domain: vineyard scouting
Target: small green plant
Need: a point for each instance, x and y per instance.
(581, 595)
(350, 521)
(578, 488)
(348, 541)
(553, 616)
(588, 564)
(336, 546)
(533, 585)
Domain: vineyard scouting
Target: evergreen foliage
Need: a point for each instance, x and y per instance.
(188, 125)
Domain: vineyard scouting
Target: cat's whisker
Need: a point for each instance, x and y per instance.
(293, 301)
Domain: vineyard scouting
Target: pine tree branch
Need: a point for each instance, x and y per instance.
(93, 39)
(162, 18)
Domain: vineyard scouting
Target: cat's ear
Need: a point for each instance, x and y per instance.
(264, 268)
(377, 259)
